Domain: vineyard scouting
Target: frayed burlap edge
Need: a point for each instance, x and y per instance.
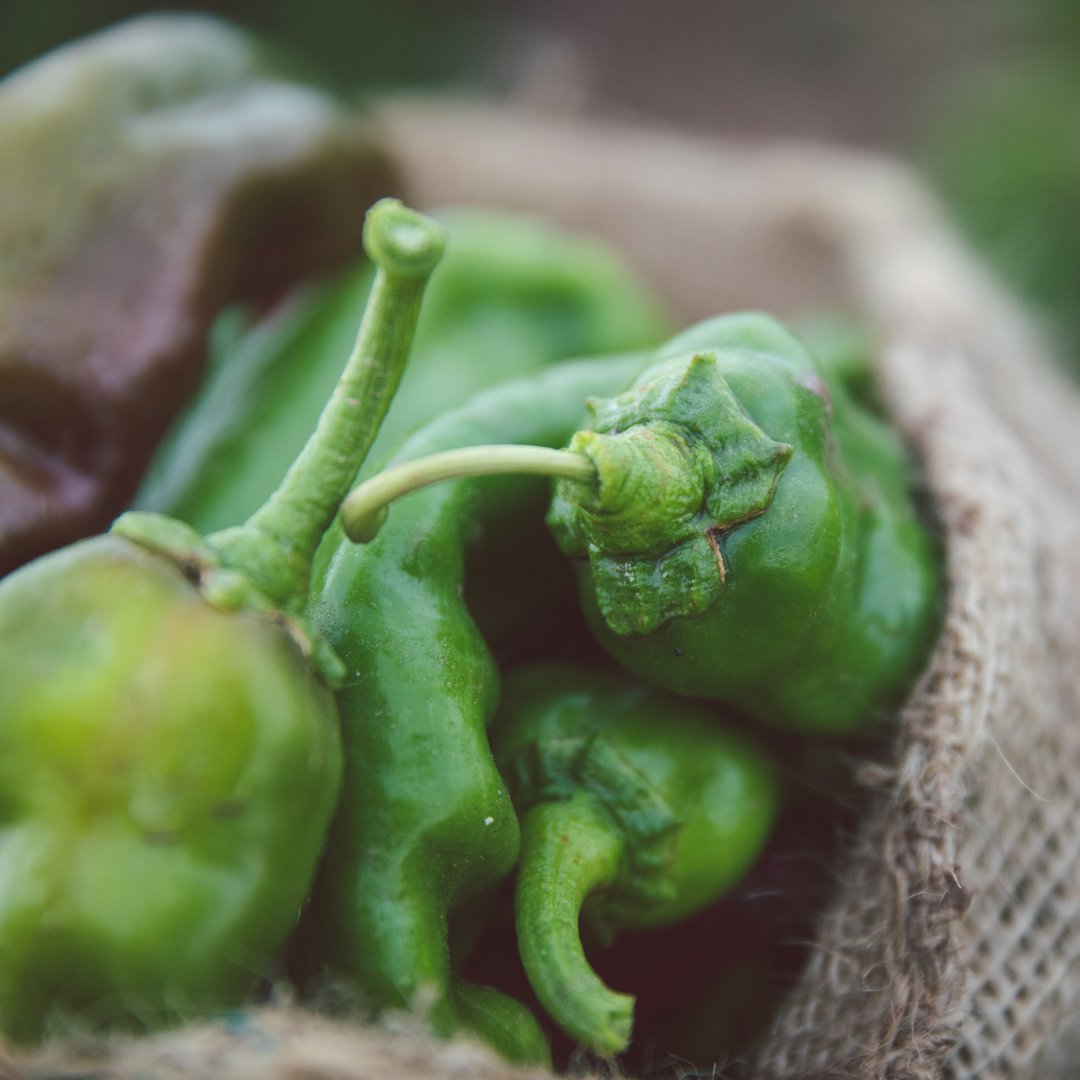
(274, 1043)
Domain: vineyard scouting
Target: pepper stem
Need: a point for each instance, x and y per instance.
(276, 545)
(364, 511)
(569, 849)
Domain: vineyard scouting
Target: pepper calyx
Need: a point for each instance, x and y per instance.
(679, 463)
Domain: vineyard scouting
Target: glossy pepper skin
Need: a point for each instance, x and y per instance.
(751, 535)
(637, 810)
(169, 746)
(511, 295)
(425, 830)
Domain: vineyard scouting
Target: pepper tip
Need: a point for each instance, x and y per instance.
(402, 241)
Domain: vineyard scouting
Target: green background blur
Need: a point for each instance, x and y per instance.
(982, 95)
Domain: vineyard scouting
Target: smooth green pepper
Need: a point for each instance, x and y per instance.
(169, 746)
(511, 295)
(637, 810)
(425, 829)
(742, 530)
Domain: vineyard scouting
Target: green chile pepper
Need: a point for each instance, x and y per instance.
(812, 592)
(637, 810)
(169, 747)
(425, 829)
(511, 295)
(742, 530)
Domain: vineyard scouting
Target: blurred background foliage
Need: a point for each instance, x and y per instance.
(982, 95)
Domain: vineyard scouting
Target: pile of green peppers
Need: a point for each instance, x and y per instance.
(339, 743)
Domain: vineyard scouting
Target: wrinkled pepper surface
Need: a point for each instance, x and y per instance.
(169, 745)
(637, 810)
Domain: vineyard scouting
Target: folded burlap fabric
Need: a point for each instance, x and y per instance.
(951, 947)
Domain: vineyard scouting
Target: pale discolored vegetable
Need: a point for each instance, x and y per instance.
(150, 174)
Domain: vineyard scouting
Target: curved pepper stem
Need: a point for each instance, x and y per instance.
(570, 849)
(678, 462)
(365, 509)
(630, 483)
(277, 543)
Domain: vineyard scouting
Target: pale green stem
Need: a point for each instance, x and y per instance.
(277, 543)
(364, 511)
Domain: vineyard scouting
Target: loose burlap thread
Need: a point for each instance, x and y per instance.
(950, 949)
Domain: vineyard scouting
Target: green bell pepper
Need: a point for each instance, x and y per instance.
(169, 746)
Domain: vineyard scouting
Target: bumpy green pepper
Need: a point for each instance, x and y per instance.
(742, 529)
(637, 810)
(425, 830)
(169, 746)
(511, 295)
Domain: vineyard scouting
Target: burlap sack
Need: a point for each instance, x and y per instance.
(951, 948)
